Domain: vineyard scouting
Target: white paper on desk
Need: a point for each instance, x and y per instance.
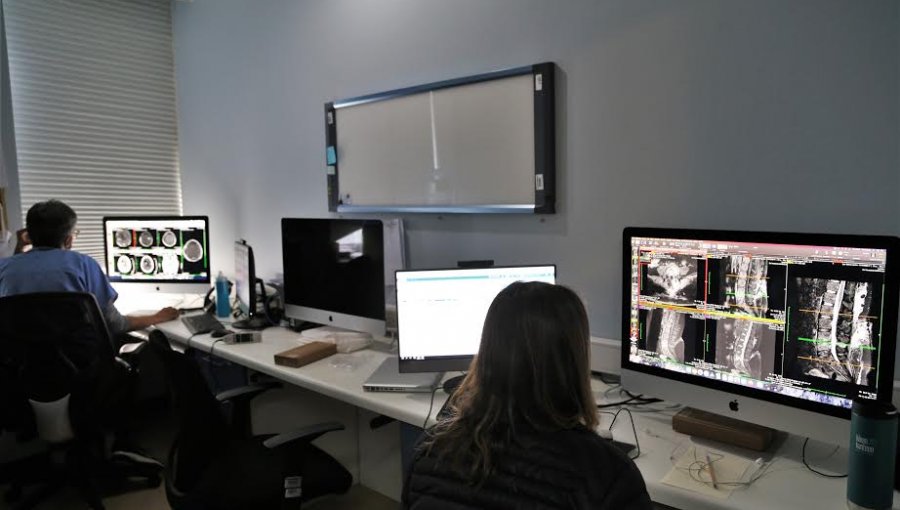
(689, 472)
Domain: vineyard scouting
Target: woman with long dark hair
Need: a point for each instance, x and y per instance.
(518, 432)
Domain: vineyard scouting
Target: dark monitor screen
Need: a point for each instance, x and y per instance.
(809, 321)
(441, 312)
(334, 272)
(157, 249)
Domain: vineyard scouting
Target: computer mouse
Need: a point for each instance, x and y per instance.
(218, 333)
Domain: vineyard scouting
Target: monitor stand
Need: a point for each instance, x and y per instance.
(255, 322)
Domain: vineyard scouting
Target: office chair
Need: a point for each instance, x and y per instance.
(55, 351)
(216, 463)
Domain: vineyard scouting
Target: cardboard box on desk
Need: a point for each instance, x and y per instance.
(305, 354)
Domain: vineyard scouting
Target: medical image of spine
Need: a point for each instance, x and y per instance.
(834, 329)
(665, 329)
(746, 347)
(672, 278)
(745, 285)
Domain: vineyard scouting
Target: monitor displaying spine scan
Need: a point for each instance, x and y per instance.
(784, 330)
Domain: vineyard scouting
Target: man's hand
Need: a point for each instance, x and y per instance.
(166, 314)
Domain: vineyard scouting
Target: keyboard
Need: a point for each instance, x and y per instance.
(201, 323)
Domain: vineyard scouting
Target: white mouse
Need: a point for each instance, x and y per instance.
(604, 433)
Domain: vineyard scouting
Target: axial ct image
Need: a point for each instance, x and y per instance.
(671, 278)
(834, 329)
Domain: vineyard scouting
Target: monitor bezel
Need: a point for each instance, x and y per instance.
(636, 372)
(375, 326)
(445, 363)
(167, 285)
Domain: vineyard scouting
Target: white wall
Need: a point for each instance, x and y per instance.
(764, 115)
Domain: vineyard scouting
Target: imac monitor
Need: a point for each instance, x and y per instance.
(334, 272)
(440, 313)
(168, 254)
(783, 330)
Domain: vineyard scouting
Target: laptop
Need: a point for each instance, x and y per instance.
(388, 378)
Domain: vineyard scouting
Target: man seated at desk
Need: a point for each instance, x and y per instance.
(52, 266)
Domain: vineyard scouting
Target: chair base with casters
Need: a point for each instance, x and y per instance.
(79, 466)
(217, 463)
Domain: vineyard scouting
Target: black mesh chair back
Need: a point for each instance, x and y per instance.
(202, 429)
(57, 368)
(52, 344)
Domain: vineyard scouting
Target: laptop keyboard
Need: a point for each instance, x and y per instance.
(201, 323)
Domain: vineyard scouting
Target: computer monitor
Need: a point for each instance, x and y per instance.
(164, 254)
(440, 312)
(334, 272)
(782, 330)
(245, 282)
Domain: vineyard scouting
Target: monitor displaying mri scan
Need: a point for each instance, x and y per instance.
(157, 249)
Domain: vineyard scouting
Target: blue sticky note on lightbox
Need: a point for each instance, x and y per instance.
(330, 155)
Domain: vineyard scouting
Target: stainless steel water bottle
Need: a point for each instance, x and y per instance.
(871, 455)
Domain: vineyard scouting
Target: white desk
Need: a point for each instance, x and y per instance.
(789, 485)
(321, 376)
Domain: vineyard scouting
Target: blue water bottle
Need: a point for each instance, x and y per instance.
(223, 306)
(872, 451)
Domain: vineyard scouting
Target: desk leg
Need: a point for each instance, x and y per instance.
(379, 456)
(409, 436)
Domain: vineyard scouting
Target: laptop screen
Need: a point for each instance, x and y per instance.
(440, 313)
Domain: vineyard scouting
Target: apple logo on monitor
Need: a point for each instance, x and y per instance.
(733, 405)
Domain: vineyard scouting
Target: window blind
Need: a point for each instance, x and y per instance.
(93, 99)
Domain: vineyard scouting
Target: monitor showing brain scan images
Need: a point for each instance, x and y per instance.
(157, 249)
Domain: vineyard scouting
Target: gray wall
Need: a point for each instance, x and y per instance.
(765, 114)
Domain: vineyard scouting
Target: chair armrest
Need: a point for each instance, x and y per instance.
(241, 421)
(307, 434)
(132, 349)
(129, 354)
(247, 392)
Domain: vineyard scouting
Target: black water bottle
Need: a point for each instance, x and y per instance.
(872, 455)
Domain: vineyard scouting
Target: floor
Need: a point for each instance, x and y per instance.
(155, 499)
(154, 432)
